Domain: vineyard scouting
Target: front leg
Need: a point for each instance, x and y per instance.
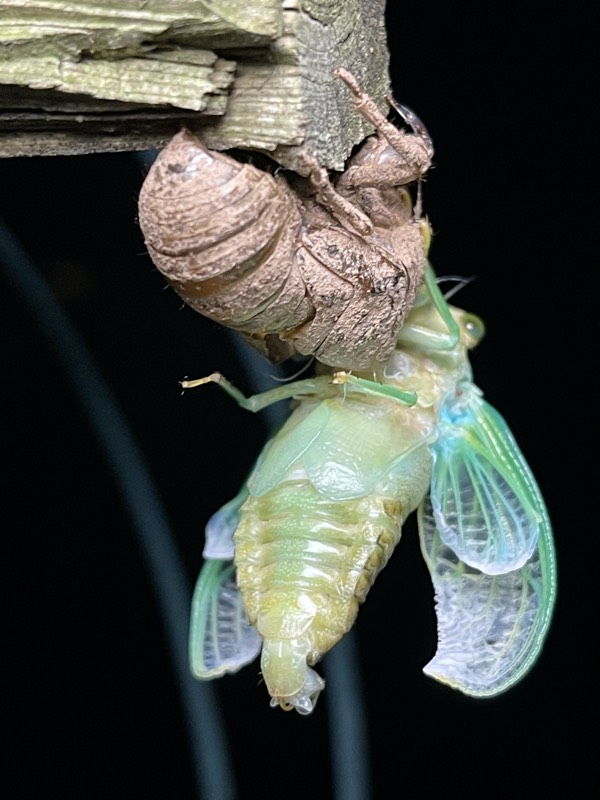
(345, 211)
(414, 149)
(321, 386)
(374, 388)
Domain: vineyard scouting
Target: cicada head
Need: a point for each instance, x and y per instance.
(471, 327)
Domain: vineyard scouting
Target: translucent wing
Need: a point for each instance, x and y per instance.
(492, 617)
(218, 542)
(485, 500)
(221, 640)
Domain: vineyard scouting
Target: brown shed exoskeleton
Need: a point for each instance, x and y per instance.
(320, 267)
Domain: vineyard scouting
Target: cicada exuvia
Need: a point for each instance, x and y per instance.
(316, 265)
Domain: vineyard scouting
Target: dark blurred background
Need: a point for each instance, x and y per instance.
(93, 708)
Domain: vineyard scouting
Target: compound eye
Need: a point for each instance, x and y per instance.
(473, 329)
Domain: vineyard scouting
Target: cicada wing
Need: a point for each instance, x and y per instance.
(491, 627)
(218, 542)
(485, 500)
(221, 639)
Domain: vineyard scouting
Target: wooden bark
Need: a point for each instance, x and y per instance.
(98, 75)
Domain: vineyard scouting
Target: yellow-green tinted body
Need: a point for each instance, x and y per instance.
(323, 509)
(308, 548)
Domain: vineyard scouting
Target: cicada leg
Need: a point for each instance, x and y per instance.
(374, 388)
(341, 208)
(415, 149)
(321, 386)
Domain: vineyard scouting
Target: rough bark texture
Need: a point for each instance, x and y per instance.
(126, 74)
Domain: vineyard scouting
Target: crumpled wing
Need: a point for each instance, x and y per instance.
(221, 640)
(218, 534)
(491, 627)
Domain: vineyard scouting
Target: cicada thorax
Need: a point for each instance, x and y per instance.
(247, 250)
(361, 291)
(308, 548)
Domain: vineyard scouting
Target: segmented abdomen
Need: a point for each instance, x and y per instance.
(304, 564)
(224, 234)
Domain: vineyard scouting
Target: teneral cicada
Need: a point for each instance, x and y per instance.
(299, 265)
(288, 561)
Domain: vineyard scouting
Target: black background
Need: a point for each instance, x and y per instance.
(93, 707)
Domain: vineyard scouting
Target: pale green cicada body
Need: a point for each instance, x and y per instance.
(291, 558)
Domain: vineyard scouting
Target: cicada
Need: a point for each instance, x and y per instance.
(311, 265)
(290, 559)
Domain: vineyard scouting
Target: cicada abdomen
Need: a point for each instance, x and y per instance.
(324, 513)
(296, 269)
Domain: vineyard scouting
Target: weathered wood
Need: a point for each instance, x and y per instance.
(296, 103)
(105, 27)
(126, 74)
(160, 78)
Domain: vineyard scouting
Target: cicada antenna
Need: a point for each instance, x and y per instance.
(460, 280)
